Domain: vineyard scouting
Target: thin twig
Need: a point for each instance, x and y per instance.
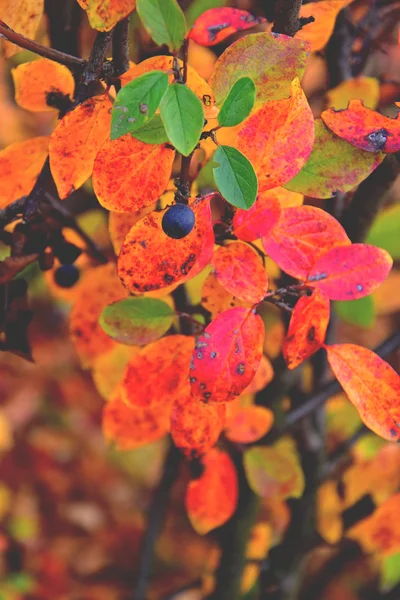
(23, 42)
(120, 47)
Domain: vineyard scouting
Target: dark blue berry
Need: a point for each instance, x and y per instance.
(178, 221)
(66, 276)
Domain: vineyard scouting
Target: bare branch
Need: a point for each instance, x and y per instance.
(287, 17)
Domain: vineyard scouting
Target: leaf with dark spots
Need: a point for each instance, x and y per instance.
(364, 128)
(350, 272)
(229, 355)
(161, 260)
(216, 24)
(307, 328)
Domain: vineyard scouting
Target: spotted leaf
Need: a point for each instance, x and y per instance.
(216, 24)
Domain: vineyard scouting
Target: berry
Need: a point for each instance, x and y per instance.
(66, 276)
(178, 221)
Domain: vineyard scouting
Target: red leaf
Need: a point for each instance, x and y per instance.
(212, 498)
(278, 138)
(371, 385)
(302, 235)
(132, 427)
(157, 373)
(150, 260)
(195, 426)
(350, 272)
(239, 269)
(252, 224)
(307, 328)
(248, 424)
(227, 355)
(216, 24)
(364, 128)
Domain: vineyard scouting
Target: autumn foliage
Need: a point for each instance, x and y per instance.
(218, 340)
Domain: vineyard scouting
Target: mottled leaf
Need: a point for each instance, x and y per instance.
(136, 103)
(307, 328)
(75, 142)
(248, 424)
(364, 128)
(131, 427)
(216, 298)
(129, 175)
(371, 384)
(150, 260)
(264, 57)
(20, 165)
(334, 166)
(164, 20)
(158, 373)
(37, 83)
(104, 14)
(218, 481)
(239, 103)
(278, 138)
(350, 272)
(227, 355)
(274, 471)
(240, 271)
(137, 321)
(302, 235)
(235, 177)
(23, 16)
(260, 219)
(195, 426)
(216, 24)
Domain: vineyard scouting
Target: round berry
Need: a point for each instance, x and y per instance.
(66, 276)
(178, 221)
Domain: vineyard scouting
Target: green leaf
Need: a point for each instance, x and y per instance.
(235, 177)
(385, 231)
(198, 7)
(136, 320)
(164, 20)
(389, 571)
(359, 312)
(183, 117)
(153, 132)
(137, 102)
(239, 103)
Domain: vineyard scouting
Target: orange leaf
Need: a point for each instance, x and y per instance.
(216, 298)
(274, 471)
(350, 272)
(252, 224)
(20, 165)
(264, 375)
(239, 269)
(150, 260)
(364, 128)
(120, 224)
(129, 175)
(381, 531)
(131, 427)
(371, 385)
(216, 24)
(196, 83)
(324, 13)
(264, 57)
(287, 198)
(248, 424)
(307, 328)
(227, 355)
(98, 288)
(217, 482)
(108, 368)
(24, 17)
(35, 83)
(358, 88)
(104, 14)
(278, 139)
(158, 373)
(201, 59)
(302, 235)
(76, 141)
(195, 426)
